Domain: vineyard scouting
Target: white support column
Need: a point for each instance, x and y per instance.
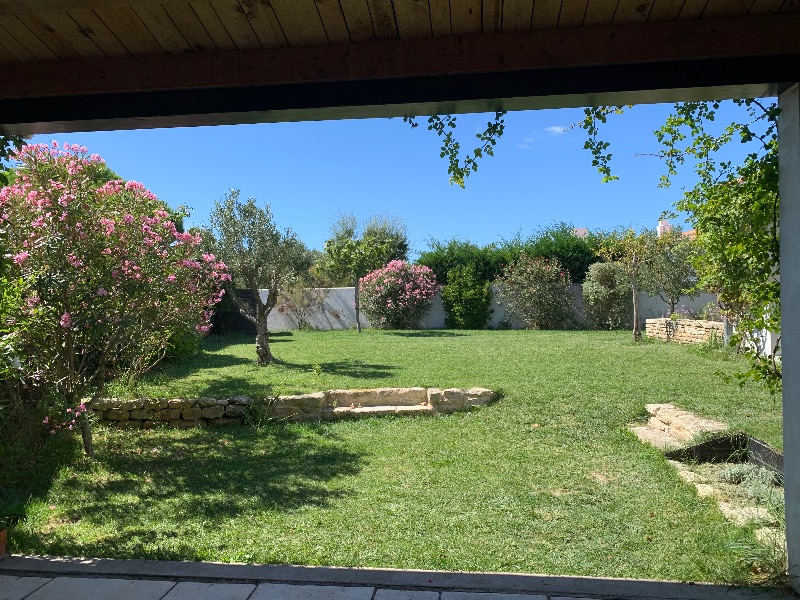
(789, 132)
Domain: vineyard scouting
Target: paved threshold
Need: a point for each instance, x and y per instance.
(54, 578)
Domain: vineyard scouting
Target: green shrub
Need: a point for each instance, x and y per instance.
(183, 345)
(536, 291)
(466, 298)
(607, 297)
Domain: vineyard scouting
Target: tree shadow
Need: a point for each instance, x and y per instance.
(356, 369)
(430, 333)
(162, 488)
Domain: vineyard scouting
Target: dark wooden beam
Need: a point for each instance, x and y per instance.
(17, 7)
(633, 64)
(760, 36)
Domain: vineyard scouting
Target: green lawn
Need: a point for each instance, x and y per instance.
(547, 480)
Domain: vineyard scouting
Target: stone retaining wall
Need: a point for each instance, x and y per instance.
(321, 406)
(684, 331)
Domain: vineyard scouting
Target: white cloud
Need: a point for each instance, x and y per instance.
(526, 143)
(556, 130)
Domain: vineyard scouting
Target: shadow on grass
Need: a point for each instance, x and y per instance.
(357, 369)
(154, 488)
(433, 333)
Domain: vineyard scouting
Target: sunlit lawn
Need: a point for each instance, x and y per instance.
(547, 480)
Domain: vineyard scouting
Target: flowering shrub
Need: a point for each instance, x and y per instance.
(107, 277)
(536, 291)
(607, 297)
(397, 295)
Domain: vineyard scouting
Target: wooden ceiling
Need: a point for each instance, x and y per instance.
(46, 30)
(100, 64)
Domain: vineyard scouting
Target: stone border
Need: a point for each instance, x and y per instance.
(330, 405)
(684, 331)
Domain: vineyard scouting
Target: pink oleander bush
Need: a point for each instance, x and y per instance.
(398, 295)
(107, 279)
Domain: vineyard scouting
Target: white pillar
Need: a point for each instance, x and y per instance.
(789, 132)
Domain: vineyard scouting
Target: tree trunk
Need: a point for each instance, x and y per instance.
(357, 305)
(262, 342)
(86, 434)
(637, 334)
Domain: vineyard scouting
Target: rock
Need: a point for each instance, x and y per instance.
(167, 414)
(213, 412)
(378, 397)
(142, 414)
(284, 410)
(235, 410)
(104, 404)
(225, 421)
(192, 414)
(114, 414)
(187, 424)
(132, 405)
(180, 403)
(205, 402)
(746, 514)
(241, 400)
(154, 403)
(153, 424)
(705, 490)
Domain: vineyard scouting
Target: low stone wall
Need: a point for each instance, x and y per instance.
(684, 331)
(321, 406)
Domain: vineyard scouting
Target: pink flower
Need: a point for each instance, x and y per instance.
(20, 257)
(102, 292)
(66, 320)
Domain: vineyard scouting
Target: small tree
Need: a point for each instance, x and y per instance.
(671, 274)
(261, 258)
(607, 297)
(537, 292)
(635, 254)
(466, 298)
(398, 295)
(107, 278)
(559, 242)
(351, 254)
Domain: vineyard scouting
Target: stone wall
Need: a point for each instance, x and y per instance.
(329, 405)
(684, 331)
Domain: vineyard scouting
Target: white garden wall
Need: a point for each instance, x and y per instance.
(337, 311)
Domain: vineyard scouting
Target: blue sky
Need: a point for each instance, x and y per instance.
(311, 172)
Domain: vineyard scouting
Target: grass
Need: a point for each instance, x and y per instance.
(547, 480)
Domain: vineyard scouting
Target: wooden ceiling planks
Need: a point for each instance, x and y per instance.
(466, 17)
(213, 24)
(187, 22)
(440, 17)
(599, 12)
(26, 38)
(20, 52)
(545, 14)
(633, 11)
(764, 7)
(573, 13)
(265, 24)
(93, 26)
(692, 9)
(383, 21)
(517, 15)
(359, 22)
(492, 16)
(725, 8)
(413, 18)
(163, 29)
(126, 25)
(333, 21)
(665, 10)
(6, 56)
(232, 16)
(62, 35)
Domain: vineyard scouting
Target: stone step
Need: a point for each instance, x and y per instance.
(363, 411)
(679, 423)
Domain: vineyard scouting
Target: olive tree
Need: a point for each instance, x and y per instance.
(261, 258)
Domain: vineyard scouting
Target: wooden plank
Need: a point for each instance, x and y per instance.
(517, 15)
(359, 23)
(93, 26)
(333, 20)
(161, 27)
(62, 35)
(383, 21)
(6, 56)
(301, 22)
(440, 17)
(20, 52)
(466, 17)
(726, 8)
(26, 38)
(492, 16)
(190, 27)
(16, 7)
(692, 9)
(129, 29)
(765, 7)
(231, 14)
(545, 14)
(791, 6)
(572, 13)
(212, 24)
(633, 11)
(666, 10)
(413, 18)
(600, 12)
(264, 23)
